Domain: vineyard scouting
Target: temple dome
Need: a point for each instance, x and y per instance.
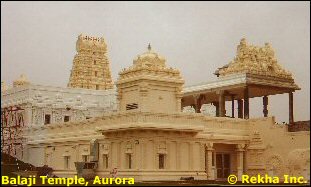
(21, 81)
(149, 64)
(149, 59)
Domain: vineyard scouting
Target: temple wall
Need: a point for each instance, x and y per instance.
(283, 152)
(35, 155)
(183, 157)
(129, 96)
(57, 95)
(158, 98)
(269, 148)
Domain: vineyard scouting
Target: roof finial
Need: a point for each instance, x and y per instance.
(149, 47)
(243, 41)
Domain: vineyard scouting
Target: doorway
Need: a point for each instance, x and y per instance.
(223, 165)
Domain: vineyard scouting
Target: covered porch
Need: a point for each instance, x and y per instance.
(239, 89)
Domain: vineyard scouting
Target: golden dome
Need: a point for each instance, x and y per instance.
(149, 59)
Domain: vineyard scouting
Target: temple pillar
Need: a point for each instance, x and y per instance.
(27, 114)
(240, 160)
(265, 106)
(197, 102)
(222, 104)
(232, 106)
(291, 108)
(246, 103)
(201, 102)
(182, 105)
(216, 104)
(209, 161)
(179, 102)
(240, 108)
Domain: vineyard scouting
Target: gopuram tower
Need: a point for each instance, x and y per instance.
(91, 68)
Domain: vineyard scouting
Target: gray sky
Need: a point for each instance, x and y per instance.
(38, 39)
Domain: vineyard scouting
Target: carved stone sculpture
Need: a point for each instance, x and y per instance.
(255, 60)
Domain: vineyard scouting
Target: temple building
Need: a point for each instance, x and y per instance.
(160, 130)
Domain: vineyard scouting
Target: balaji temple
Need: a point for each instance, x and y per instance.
(149, 126)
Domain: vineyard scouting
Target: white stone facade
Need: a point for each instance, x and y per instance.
(37, 103)
(48, 99)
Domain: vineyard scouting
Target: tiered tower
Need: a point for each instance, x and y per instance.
(91, 68)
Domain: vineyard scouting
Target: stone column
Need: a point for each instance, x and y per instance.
(291, 108)
(178, 152)
(208, 161)
(240, 160)
(214, 165)
(232, 105)
(179, 102)
(191, 156)
(137, 156)
(216, 104)
(240, 108)
(222, 104)
(196, 98)
(246, 104)
(120, 161)
(182, 102)
(28, 114)
(201, 102)
(265, 106)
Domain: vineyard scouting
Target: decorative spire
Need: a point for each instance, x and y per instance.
(149, 47)
(243, 41)
(22, 80)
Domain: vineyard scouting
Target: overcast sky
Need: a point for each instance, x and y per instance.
(39, 38)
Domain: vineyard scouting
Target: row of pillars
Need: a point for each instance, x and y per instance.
(243, 105)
